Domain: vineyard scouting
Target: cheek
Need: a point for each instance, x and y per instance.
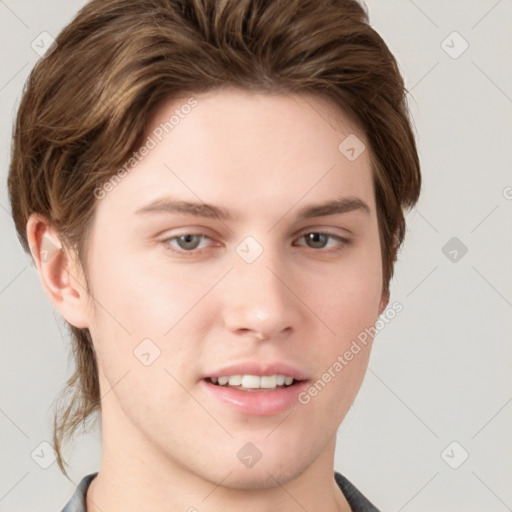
(142, 308)
(143, 297)
(349, 308)
(350, 296)
(347, 303)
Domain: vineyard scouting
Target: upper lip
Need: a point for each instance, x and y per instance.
(260, 368)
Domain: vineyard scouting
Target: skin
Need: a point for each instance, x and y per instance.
(167, 444)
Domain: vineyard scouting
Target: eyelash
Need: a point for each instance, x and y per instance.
(342, 240)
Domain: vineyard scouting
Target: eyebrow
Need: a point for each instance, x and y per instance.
(333, 207)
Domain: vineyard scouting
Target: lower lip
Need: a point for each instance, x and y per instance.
(261, 403)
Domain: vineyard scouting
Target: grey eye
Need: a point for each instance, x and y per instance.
(189, 241)
(317, 240)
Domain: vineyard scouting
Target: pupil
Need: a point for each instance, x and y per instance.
(318, 240)
(188, 242)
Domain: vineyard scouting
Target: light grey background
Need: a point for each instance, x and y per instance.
(440, 372)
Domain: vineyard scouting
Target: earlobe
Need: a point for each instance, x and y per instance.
(59, 271)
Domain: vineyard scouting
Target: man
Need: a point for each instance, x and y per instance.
(216, 217)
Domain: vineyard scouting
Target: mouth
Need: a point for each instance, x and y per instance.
(256, 387)
(254, 383)
(256, 395)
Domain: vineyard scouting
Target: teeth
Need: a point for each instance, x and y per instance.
(268, 381)
(253, 381)
(235, 380)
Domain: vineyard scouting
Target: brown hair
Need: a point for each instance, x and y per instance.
(86, 105)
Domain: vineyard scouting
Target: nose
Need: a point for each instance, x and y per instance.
(258, 300)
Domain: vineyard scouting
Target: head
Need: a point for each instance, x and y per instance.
(242, 105)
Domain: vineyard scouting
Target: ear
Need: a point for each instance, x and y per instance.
(385, 291)
(60, 272)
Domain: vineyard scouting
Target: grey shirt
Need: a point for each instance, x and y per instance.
(357, 502)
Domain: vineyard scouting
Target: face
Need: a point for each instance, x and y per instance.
(266, 280)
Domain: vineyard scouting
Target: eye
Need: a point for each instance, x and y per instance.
(187, 242)
(319, 240)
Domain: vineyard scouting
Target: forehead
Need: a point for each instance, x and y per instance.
(254, 151)
(272, 120)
